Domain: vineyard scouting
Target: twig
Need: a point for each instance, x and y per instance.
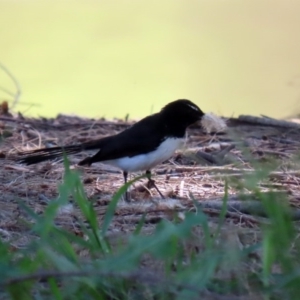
(17, 85)
(274, 152)
(249, 220)
(227, 169)
(217, 158)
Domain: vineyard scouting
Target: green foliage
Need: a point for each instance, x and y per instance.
(187, 258)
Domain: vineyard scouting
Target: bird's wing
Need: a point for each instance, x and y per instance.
(143, 137)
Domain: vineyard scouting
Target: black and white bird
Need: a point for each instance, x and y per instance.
(140, 147)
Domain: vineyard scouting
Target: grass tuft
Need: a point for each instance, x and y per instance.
(182, 258)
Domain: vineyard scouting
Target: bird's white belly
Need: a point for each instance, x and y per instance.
(147, 161)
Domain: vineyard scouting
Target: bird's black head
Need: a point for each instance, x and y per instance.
(183, 110)
(179, 114)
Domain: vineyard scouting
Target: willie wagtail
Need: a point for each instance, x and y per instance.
(140, 147)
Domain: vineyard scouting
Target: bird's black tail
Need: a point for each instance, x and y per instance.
(39, 155)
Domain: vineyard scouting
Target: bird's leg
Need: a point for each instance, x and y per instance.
(125, 175)
(151, 183)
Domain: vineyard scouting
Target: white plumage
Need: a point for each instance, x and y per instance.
(147, 161)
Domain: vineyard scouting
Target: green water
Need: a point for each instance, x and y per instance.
(109, 58)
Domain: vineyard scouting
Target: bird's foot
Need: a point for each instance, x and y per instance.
(151, 184)
(127, 197)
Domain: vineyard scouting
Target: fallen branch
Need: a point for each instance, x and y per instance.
(268, 122)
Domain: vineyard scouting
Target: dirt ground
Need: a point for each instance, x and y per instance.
(196, 172)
